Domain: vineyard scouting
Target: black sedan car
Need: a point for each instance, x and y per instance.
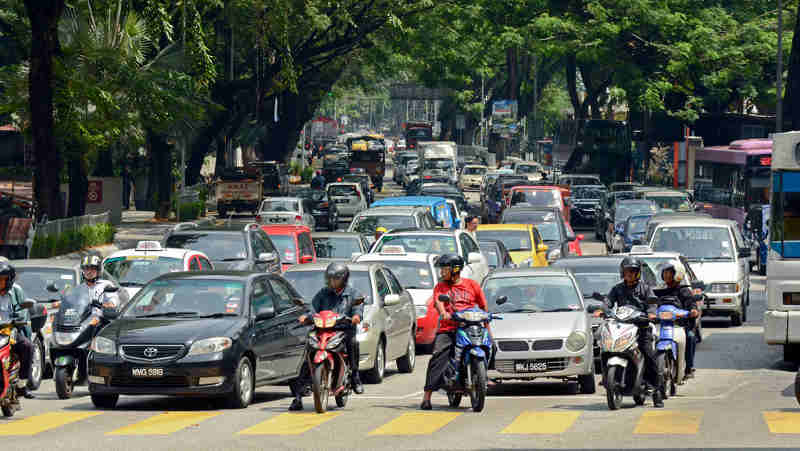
(216, 334)
(550, 224)
(584, 203)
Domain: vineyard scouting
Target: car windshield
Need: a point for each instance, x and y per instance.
(309, 283)
(550, 231)
(336, 247)
(188, 297)
(624, 211)
(532, 294)
(438, 164)
(474, 171)
(34, 281)
(654, 263)
(528, 168)
(137, 270)
(638, 224)
(671, 202)
(602, 283)
(587, 194)
(696, 243)
(513, 240)
(428, 244)
(527, 217)
(342, 190)
(412, 275)
(368, 224)
(492, 255)
(217, 246)
(538, 198)
(280, 205)
(583, 181)
(286, 247)
(419, 133)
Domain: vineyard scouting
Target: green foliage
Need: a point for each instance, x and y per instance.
(307, 174)
(72, 240)
(191, 210)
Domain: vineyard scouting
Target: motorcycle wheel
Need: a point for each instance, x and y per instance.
(320, 385)
(613, 390)
(454, 399)
(9, 410)
(64, 382)
(37, 365)
(479, 385)
(663, 365)
(639, 399)
(673, 386)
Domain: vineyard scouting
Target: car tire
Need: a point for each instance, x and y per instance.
(405, 364)
(736, 319)
(587, 384)
(105, 401)
(375, 374)
(243, 385)
(791, 353)
(744, 313)
(38, 365)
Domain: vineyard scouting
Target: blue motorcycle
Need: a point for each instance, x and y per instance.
(473, 350)
(671, 344)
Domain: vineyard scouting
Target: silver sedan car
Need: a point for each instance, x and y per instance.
(545, 331)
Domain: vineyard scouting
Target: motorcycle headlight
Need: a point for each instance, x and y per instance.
(553, 255)
(576, 341)
(422, 310)
(65, 338)
(474, 316)
(666, 316)
(3, 340)
(724, 287)
(102, 345)
(210, 345)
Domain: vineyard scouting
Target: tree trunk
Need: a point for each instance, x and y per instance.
(105, 163)
(791, 104)
(78, 185)
(44, 16)
(160, 180)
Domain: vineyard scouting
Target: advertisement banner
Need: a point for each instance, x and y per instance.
(504, 117)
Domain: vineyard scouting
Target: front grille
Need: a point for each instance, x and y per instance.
(547, 345)
(145, 352)
(166, 381)
(68, 329)
(510, 346)
(555, 364)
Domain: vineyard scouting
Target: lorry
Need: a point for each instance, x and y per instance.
(438, 161)
(369, 152)
(239, 190)
(414, 132)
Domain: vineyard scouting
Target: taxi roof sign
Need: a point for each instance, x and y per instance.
(393, 249)
(148, 246)
(641, 249)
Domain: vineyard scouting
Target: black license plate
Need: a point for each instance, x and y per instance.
(147, 372)
(530, 366)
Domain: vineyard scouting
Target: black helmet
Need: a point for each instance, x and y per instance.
(630, 263)
(7, 270)
(337, 271)
(452, 260)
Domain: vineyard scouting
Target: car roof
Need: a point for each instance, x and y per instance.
(172, 252)
(46, 263)
(412, 201)
(324, 265)
(635, 201)
(423, 232)
(342, 184)
(282, 229)
(504, 227)
(589, 260)
(527, 272)
(216, 274)
(353, 235)
(658, 192)
(524, 209)
(281, 198)
(390, 210)
(408, 256)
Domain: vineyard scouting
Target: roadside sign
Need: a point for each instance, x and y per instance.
(95, 193)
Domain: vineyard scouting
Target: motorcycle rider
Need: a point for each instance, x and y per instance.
(318, 182)
(10, 296)
(339, 297)
(673, 276)
(90, 266)
(634, 292)
(464, 293)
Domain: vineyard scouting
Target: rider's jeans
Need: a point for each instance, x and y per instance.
(24, 350)
(691, 344)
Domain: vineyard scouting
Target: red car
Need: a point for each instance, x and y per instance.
(293, 243)
(427, 326)
(557, 196)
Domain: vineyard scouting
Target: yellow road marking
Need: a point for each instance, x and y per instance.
(40, 423)
(165, 423)
(669, 422)
(783, 422)
(538, 422)
(290, 424)
(418, 423)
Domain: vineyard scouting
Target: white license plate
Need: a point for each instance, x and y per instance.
(147, 372)
(530, 366)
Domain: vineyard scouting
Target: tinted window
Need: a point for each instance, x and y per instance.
(137, 270)
(590, 283)
(34, 281)
(368, 224)
(335, 247)
(533, 294)
(381, 285)
(286, 247)
(393, 282)
(513, 240)
(430, 244)
(536, 198)
(283, 294)
(261, 296)
(696, 243)
(280, 205)
(308, 283)
(306, 247)
(195, 297)
(342, 190)
(218, 246)
(528, 217)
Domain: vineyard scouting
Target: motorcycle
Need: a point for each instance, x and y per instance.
(78, 320)
(327, 358)
(9, 328)
(623, 361)
(475, 345)
(671, 343)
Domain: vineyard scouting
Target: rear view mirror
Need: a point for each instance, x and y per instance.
(52, 287)
(391, 299)
(266, 257)
(501, 300)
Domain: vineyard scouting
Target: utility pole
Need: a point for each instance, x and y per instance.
(779, 74)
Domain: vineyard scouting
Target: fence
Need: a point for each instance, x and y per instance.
(59, 226)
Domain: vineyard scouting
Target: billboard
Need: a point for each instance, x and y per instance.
(504, 117)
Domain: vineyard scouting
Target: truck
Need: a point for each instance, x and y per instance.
(239, 190)
(369, 152)
(438, 161)
(414, 132)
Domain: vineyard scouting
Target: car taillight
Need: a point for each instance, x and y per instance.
(323, 205)
(298, 218)
(258, 219)
(791, 298)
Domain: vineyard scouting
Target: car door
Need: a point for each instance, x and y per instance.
(261, 242)
(742, 263)
(288, 315)
(403, 316)
(540, 258)
(306, 246)
(385, 312)
(269, 335)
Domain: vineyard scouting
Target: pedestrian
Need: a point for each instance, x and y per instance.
(472, 223)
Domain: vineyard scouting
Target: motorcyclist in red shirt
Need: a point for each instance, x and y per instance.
(464, 293)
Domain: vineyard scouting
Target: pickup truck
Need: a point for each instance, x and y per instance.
(240, 194)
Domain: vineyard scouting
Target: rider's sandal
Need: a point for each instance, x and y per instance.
(426, 405)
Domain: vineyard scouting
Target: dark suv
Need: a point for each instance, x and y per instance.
(275, 178)
(245, 248)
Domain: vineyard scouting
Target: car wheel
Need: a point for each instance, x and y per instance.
(736, 319)
(744, 313)
(375, 374)
(587, 384)
(791, 353)
(406, 363)
(105, 401)
(243, 385)
(37, 365)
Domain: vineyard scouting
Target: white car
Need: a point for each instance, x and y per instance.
(286, 210)
(530, 169)
(134, 268)
(349, 198)
(439, 242)
(471, 177)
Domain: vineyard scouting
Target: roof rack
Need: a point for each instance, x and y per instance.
(185, 226)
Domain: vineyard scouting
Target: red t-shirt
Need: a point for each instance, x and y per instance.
(465, 294)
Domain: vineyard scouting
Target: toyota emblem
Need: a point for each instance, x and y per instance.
(150, 352)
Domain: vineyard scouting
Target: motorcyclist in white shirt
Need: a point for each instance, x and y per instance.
(90, 267)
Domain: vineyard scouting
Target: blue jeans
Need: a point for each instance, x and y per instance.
(691, 344)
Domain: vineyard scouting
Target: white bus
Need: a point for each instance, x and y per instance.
(782, 318)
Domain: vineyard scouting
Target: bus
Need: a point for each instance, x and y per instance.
(782, 317)
(730, 179)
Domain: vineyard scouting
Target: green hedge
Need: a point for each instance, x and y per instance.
(308, 174)
(191, 210)
(71, 241)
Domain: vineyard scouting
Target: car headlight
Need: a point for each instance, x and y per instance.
(553, 255)
(422, 310)
(65, 338)
(210, 345)
(576, 341)
(102, 345)
(724, 287)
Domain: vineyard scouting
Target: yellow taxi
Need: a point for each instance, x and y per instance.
(523, 241)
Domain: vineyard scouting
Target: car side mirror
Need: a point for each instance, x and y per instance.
(110, 289)
(266, 257)
(391, 299)
(474, 257)
(306, 259)
(637, 242)
(52, 287)
(501, 300)
(444, 298)
(265, 312)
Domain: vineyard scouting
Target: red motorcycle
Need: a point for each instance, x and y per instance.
(328, 360)
(9, 328)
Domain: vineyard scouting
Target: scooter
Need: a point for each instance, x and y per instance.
(474, 347)
(671, 343)
(78, 320)
(623, 361)
(9, 329)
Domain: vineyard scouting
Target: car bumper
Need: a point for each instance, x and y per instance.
(560, 363)
(722, 303)
(181, 377)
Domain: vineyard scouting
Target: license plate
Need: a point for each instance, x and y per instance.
(342, 201)
(276, 220)
(530, 366)
(147, 372)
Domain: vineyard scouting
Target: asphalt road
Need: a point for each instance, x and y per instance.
(743, 396)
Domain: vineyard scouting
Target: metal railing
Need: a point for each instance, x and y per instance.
(59, 226)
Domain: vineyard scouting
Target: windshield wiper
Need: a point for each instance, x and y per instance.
(522, 310)
(559, 310)
(132, 284)
(233, 259)
(153, 315)
(218, 315)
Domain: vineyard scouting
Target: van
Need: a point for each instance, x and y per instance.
(437, 207)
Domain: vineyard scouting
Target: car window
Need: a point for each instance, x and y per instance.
(688, 268)
(382, 285)
(649, 276)
(205, 264)
(464, 246)
(470, 244)
(261, 296)
(393, 282)
(283, 295)
(306, 245)
(257, 244)
(537, 238)
(194, 264)
(737, 236)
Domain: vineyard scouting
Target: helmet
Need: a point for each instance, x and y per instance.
(381, 230)
(91, 261)
(630, 263)
(455, 262)
(677, 270)
(337, 271)
(7, 270)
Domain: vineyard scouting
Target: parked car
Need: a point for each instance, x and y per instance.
(286, 210)
(219, 334)
(496, 254)
(326, 216)
(349, 198)
(293, 243)
(523, 242)
(342, 246)
(387, 330)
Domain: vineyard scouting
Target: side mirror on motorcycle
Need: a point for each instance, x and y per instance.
(444, 298)
(501, 300)
(52, 287)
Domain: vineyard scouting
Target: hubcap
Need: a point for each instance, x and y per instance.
(36, 364)
(412, 352)
(379, 361)
(244, 383)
